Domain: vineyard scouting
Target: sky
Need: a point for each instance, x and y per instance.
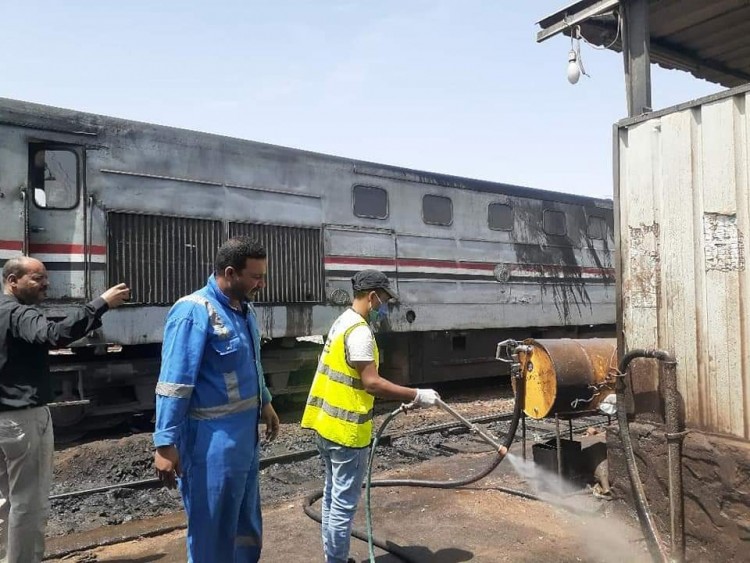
(453, 86)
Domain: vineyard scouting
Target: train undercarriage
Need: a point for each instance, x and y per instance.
(102, 387)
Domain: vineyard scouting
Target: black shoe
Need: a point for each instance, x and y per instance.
(351, 560)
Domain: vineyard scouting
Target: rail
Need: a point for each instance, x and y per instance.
(301, 455)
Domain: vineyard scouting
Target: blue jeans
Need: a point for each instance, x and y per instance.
(345, 471)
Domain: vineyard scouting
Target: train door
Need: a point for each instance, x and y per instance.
(352, 248)
(12, 181)
(56, 217)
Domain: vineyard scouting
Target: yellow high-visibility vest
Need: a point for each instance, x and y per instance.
(338, 407)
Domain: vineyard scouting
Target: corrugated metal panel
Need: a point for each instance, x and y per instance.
(295, 261)
(161, 258)
(684, 205)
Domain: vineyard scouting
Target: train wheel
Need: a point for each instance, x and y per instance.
(65, 436)
(143, 422)
(67, 416)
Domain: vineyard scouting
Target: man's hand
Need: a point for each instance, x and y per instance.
(167, 463)
(271, 420)
(426, 398)
(117, 295)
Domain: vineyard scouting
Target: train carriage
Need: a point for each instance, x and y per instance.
(102, 200)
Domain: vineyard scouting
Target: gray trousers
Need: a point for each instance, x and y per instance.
(26, 449)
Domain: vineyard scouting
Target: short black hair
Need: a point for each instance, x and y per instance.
(235, 253)
(361, 293)
(15, 267)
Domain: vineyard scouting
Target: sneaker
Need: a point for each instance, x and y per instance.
(351, 560)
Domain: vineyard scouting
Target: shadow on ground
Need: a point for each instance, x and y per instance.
(422, 554)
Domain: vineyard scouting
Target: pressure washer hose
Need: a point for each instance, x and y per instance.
(391, 547)
(646, 518)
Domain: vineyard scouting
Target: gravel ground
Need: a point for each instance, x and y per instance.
(112, 461)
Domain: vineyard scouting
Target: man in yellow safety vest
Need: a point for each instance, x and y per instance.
(339, 407)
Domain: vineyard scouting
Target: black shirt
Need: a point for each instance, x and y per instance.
(26, 336)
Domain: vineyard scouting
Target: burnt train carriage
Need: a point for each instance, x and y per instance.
(103, 200)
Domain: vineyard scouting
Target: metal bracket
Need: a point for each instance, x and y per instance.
(676, 436)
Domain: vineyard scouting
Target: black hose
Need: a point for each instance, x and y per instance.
(396, 549)
(385, 545)
(509, 436)
(645, 517)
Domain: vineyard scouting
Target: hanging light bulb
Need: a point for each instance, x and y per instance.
(575, 62)
(574, 71)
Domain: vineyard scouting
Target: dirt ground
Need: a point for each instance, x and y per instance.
(130, 458)
(478, 524)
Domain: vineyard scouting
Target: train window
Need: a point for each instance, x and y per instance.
(53, 177)
(370, 202)
(500, 217)
(437, 210)
(554, 222)
(597, 228)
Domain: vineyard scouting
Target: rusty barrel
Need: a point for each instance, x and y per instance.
(566, 376)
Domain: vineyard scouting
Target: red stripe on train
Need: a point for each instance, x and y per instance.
(360, 260)
(52, 248)
(11, 245)
(413, 262)
(518, 269)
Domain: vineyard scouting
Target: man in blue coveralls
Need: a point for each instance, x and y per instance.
(210, 398)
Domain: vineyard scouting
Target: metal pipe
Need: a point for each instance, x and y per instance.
(510, 434)
(486, 437)
(146, 483)
(558, 445)
(675, 435)
(645, 517)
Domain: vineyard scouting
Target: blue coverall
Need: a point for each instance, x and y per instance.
(208, 401)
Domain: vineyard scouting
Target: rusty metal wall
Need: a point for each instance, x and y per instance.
(295, 261)
(160, 258)
(683, 206)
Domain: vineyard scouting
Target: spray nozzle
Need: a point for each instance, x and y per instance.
(406, 407)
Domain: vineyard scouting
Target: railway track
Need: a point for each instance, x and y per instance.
(537, 430)
(285, 475)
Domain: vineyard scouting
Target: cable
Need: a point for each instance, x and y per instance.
(576, 30)
(388, 546)
(517, 412)
(368, 479)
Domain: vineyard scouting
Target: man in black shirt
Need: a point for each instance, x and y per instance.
(26, 441)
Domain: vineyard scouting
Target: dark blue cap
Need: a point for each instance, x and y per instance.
(367, 280)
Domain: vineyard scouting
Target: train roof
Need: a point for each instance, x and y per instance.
(62, 120)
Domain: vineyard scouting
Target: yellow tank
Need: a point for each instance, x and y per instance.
(565, 376)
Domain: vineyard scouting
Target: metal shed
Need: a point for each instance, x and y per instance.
(682, 196)
(710, 39)
(684, 213)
